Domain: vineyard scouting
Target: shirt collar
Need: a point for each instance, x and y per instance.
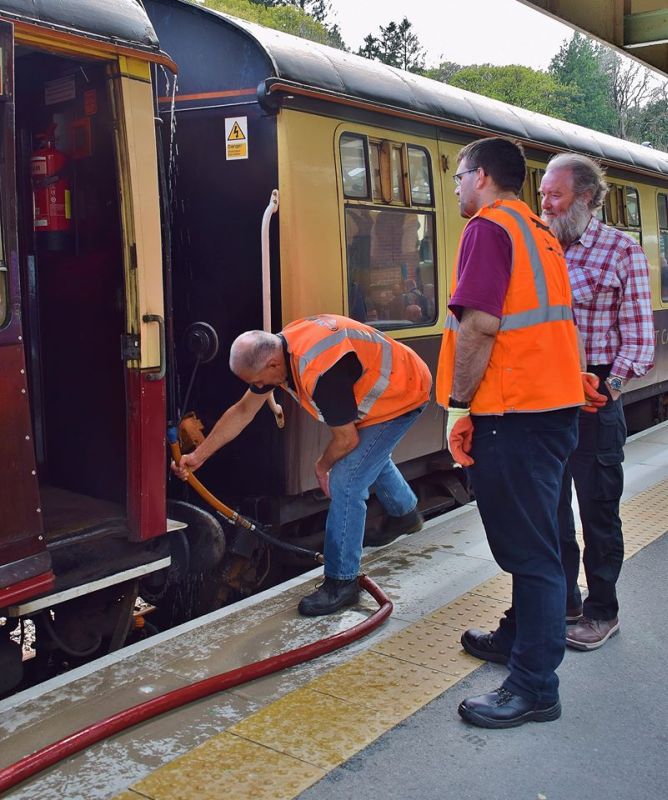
(588, 236)
(288, 361)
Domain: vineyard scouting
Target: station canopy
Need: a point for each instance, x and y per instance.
(637, 28)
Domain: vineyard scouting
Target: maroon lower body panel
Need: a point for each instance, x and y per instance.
(24, 590)
(147, 425)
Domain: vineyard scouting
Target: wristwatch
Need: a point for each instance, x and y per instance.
(452, 403)
(616, 384)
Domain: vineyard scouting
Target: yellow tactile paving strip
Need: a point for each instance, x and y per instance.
(290, 744)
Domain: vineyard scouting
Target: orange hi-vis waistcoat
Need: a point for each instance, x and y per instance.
(394, 380)
(534, 364)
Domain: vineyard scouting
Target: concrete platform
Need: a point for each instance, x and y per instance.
(279, 735)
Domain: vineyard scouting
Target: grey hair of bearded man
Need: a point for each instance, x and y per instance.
(588, 176)
(252, 350)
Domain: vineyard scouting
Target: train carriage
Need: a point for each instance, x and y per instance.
(82, 499)
(361, 155)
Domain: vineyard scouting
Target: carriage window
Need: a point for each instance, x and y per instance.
(622, 209)
(662, 201)
(3, 281)
(420, 182)
(397, 172)
(374, 155)
(353, 166)
(387, 172)
(390, 235)
(632, 208)
(531, 189)
(3, 295)
(391, 277)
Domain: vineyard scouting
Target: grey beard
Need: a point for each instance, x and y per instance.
(570, 225)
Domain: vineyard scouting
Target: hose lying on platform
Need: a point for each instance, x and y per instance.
(53, 753)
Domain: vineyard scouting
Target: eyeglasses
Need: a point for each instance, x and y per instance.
(458, 177)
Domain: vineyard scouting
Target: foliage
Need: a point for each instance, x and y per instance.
(649, 123)
(290, 17)
(631, 87)
(443, 72)
(520, 86)
(580, 65)
(397, 46)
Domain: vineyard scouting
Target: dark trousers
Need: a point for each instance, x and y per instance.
(517, 478)
(595, 468)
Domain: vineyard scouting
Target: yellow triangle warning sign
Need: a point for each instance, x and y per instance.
(236, 133)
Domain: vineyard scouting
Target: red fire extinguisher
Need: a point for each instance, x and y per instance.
(52, 202)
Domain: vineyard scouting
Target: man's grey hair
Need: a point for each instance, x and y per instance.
(251, 351)
(588, 176)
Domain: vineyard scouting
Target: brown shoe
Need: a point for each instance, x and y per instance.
(589, 634)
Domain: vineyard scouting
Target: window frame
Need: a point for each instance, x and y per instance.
(374, 202)
(662, 236)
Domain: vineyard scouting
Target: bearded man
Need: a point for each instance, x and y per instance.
(612, 307)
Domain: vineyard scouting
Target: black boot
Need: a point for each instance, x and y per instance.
(329, 597)
(394, 527)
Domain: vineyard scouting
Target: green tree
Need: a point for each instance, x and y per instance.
(318, 9)
(290, 17)
(580, 65)
(649, 123)
(521, 86)
(631, 87)
(397, 46)
(443, 72)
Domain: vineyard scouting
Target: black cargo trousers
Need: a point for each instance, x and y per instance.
(595, 467)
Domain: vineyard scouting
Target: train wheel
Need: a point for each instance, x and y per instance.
(190, 586)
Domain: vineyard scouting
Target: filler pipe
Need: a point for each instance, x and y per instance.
(64, 748)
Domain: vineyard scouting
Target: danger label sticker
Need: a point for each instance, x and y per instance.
(236, 138)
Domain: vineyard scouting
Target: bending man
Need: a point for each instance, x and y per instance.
(369, 390)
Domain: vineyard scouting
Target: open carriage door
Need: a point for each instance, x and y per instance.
(26, 564)
(144, 341)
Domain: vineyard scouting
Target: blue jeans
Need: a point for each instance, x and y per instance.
(367, 467)
(517, 476)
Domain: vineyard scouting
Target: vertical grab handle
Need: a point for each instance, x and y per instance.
(162, 366)
(270, 210)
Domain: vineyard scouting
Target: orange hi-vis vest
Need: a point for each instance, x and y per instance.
(394, 379)
(534, 365)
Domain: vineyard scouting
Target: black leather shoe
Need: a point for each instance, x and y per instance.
(394, 527)
(503, 709)
(329, 597)
(481, 645)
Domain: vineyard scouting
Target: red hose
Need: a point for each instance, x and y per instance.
(52, 753)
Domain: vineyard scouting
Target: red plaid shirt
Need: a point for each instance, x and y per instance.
(612, 303)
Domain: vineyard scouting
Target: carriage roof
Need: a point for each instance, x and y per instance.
(342, 76)
(122, 22)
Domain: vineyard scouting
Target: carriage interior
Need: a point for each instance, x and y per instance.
(71, 267)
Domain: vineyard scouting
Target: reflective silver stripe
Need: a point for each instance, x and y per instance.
(295, 397)
(534, 258)
(381, 384)
(335, 339)
(544, 312)
(524, 319)
(451, 323)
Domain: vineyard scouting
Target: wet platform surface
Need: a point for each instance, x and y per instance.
(338, 722)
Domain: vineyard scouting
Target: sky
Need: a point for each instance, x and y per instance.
(463, 31)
